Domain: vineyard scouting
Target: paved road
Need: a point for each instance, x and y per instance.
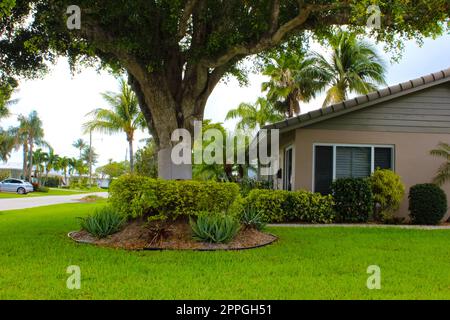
(24, 203)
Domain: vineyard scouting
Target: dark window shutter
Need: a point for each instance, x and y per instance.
(383, 158)
(323, 175)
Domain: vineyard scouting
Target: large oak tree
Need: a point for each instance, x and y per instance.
(176, 51)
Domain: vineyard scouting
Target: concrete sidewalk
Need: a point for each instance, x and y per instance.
(25, 203)
(359, 225)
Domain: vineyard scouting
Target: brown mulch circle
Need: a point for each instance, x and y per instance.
(141, 235)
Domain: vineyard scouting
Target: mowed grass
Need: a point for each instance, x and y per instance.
(311, 263)
(51, 192)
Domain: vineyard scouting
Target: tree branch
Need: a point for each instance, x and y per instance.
(189, 8)
(275, 37)
(274, 16)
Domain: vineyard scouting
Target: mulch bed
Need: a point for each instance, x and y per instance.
(141, 235)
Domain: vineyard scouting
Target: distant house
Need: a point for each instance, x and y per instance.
(393, 128)
(13, 169)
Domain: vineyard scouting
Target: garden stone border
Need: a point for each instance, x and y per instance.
(275, 239)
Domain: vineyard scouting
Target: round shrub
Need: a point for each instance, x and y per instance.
(427, 204)
(388, 192)
(353, 199)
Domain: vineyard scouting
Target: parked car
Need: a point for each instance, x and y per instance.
(16, 185)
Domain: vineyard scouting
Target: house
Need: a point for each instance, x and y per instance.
(393, 128)
(12, 170)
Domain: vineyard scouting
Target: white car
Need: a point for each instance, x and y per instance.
(16, 185)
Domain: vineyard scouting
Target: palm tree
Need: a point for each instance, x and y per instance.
(30, 133)
(354, 66)
(124, 116)
(294, 78)
(63, 164)
(72, 166)
(6, 90)
(89, 155)
(51, 162)
(80, 144)
(443, 174)
(7, 143)
(39, 158)
(255, 116)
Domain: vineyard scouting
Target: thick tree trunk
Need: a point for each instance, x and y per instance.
(170, 99)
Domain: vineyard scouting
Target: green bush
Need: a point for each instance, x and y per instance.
(103, 222)
(427, 204)
(252, 218)
(353, 199)
(288, 206)
(246, 185)
(42, 189)
(137, 196)
(388, 191)
(216, 228)
(4, 174)
(51, 182)
(78, 183)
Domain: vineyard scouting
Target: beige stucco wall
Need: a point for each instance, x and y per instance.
(412, 160)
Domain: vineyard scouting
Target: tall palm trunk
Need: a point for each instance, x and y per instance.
(30, 168)
(25, 163)
(130, 144)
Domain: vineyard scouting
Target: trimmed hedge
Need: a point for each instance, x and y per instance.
(288, 206)
(138, 196)
(353, 199)
(427, 204)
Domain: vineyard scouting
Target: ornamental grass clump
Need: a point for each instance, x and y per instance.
(104, 222)
(252, 218)
(215, 228)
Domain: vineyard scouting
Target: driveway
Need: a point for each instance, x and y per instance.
(25, 203)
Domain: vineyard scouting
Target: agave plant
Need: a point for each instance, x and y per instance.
(104, 222)
(215, 228)
(253, 218)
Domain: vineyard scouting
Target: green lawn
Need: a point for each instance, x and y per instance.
(311, 263)
(51, 192)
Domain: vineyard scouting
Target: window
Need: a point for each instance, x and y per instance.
(353, 162)
(344, 161)
(383, 158)
(324, 169)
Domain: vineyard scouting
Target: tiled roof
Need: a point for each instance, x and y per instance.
(361, 102)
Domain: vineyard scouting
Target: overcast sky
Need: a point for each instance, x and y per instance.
(63, 100)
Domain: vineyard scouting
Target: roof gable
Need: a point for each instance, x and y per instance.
(361, 102)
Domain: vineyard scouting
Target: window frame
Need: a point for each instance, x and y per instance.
(350, 145)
